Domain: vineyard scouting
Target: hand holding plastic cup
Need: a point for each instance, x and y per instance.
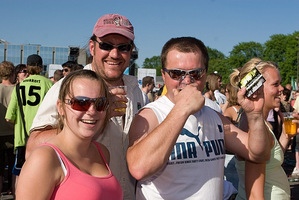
(123, 87)
(290, 127)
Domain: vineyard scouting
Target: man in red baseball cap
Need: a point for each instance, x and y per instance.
(111, 46)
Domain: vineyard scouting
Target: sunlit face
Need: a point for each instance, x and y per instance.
(84, 124)
(184, 61)
(110, 64)
(272, 88)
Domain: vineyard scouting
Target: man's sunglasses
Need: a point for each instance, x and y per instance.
(178, 74)
(65, 70)
(108, 47)
(83, 103)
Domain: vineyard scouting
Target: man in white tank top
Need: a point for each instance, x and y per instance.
(176, 144)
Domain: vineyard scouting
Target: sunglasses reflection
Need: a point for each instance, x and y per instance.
(83, 103)
(178, 74)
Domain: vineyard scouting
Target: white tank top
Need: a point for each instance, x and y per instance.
(195, 167)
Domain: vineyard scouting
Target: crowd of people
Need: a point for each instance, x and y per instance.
(81, 137)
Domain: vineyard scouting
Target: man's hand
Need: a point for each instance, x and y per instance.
(39, 137)
(190, 98)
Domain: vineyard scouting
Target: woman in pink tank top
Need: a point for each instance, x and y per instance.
(71, 165)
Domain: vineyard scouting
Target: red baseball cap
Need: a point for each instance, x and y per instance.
(114, 23)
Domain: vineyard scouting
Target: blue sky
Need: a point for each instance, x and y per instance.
(220, 24)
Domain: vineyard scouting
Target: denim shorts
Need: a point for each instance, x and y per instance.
(19, 160)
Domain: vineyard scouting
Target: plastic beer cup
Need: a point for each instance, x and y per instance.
(124, 87)
(290, 127)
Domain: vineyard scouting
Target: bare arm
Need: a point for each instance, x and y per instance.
(224, 106)
(256, 144)
(151, 143)
(38, 137)
(254, 172)
(254, 180)
(39, 176)
(284, 140)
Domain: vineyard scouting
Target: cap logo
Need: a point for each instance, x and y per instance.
(117, 21)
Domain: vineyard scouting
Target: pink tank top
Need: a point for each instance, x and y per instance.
(79, 185)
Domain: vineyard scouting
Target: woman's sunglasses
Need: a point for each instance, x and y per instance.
(178, 74)
(108, 47)
(83, 103)
(23, 71)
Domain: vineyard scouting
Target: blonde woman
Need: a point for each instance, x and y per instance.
(267, 180)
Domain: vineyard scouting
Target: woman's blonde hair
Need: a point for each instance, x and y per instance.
(232, 93)
(241, 72)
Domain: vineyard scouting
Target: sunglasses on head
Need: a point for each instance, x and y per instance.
(108, 47)
(178, 74)
(83, 103)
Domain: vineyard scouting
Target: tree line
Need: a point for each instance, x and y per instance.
(281, 49)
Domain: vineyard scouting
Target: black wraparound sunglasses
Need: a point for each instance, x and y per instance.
(108, 47)
(178, 74)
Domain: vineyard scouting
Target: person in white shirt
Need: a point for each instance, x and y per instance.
(177, 145)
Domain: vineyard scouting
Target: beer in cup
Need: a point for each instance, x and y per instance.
(290, 127)
(124, 87)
